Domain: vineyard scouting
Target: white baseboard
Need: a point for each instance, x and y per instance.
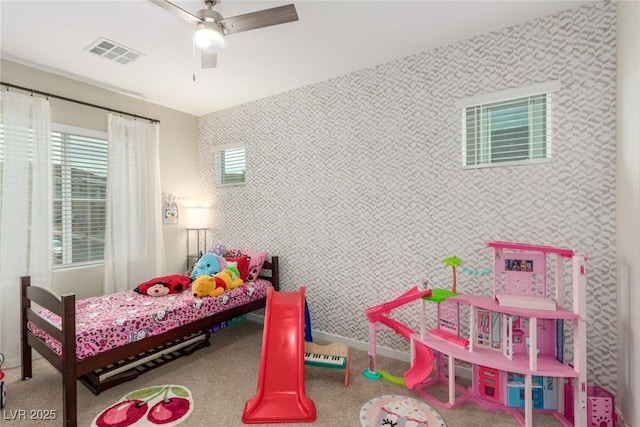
(461, 371)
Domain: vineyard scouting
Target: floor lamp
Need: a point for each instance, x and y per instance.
(197, 226)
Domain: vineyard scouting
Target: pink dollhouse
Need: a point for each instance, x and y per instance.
(515, 339)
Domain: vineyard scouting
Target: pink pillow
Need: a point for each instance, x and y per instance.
(256, 261)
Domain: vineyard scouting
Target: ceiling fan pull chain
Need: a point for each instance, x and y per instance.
(193, 56)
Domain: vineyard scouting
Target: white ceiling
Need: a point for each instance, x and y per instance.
(331, 38)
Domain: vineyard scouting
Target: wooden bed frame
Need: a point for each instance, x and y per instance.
(72, 369)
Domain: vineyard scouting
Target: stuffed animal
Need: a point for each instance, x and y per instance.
(205, 286)
(213, 286)
(228, 278)
(208, 265)
(160, 286)
(218, 250)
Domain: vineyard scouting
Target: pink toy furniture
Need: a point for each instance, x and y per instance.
(422, 359)
(515, 338)
(601, 406)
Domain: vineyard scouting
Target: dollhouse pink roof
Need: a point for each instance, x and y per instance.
(567, 253)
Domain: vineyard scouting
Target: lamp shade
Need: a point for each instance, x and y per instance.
(209, 36)
(198, 218)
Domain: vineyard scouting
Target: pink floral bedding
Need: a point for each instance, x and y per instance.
(110, 321)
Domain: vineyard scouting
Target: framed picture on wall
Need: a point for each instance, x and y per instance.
(170, 212)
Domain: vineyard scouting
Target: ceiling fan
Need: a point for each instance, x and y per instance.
(211, 28)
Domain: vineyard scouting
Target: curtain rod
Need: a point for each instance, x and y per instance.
(50, 95)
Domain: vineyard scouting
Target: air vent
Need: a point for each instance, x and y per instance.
(114, 51)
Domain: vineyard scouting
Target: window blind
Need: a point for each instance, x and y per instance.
(507, 132)
(79, 195)
(230, 164)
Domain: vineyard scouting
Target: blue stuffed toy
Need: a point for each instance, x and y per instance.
(208, 265)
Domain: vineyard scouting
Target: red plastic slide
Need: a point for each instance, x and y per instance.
(281, 394)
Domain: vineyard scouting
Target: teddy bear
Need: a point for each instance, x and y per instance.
(229, 278)
(205, 286)
(165, 285)
(208, 265)
(213, 286)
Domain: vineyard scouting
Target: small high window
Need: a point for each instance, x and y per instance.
(230, 164)
(507, 128)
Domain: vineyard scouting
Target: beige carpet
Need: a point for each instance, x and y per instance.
(224, 376)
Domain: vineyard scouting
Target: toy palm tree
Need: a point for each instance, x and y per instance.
(453, 262)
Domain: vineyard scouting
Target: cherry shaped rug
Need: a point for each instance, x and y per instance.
(164, 405)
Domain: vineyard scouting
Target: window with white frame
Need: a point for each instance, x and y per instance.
(79, 158)
(510, 127)
(230, 164)
(79, 194)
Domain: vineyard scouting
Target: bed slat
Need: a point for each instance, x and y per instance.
(273, 267)
(45, 351)
(124, 370)
(45, 325)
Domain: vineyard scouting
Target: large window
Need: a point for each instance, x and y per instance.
(230, 164)
(506, 129)
(79, 195)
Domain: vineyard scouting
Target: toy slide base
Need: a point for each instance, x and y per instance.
(373, 376)
(281, 396)
(279, 409)
(420, 368)
(391, 378)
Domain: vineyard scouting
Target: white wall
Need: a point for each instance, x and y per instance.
(628, 210)
(178, 157)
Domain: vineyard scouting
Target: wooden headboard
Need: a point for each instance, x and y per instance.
(272, 267)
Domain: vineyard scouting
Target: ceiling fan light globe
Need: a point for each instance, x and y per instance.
(208, 38)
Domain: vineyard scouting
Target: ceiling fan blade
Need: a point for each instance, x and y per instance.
(260, 19)
(208, 59)
(176, 10)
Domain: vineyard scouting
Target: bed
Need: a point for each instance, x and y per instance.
(55, 331)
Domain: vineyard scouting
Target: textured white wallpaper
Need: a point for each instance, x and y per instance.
(357, 183)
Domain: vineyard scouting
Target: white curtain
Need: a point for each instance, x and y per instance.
(26, 209)
(134, 248)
